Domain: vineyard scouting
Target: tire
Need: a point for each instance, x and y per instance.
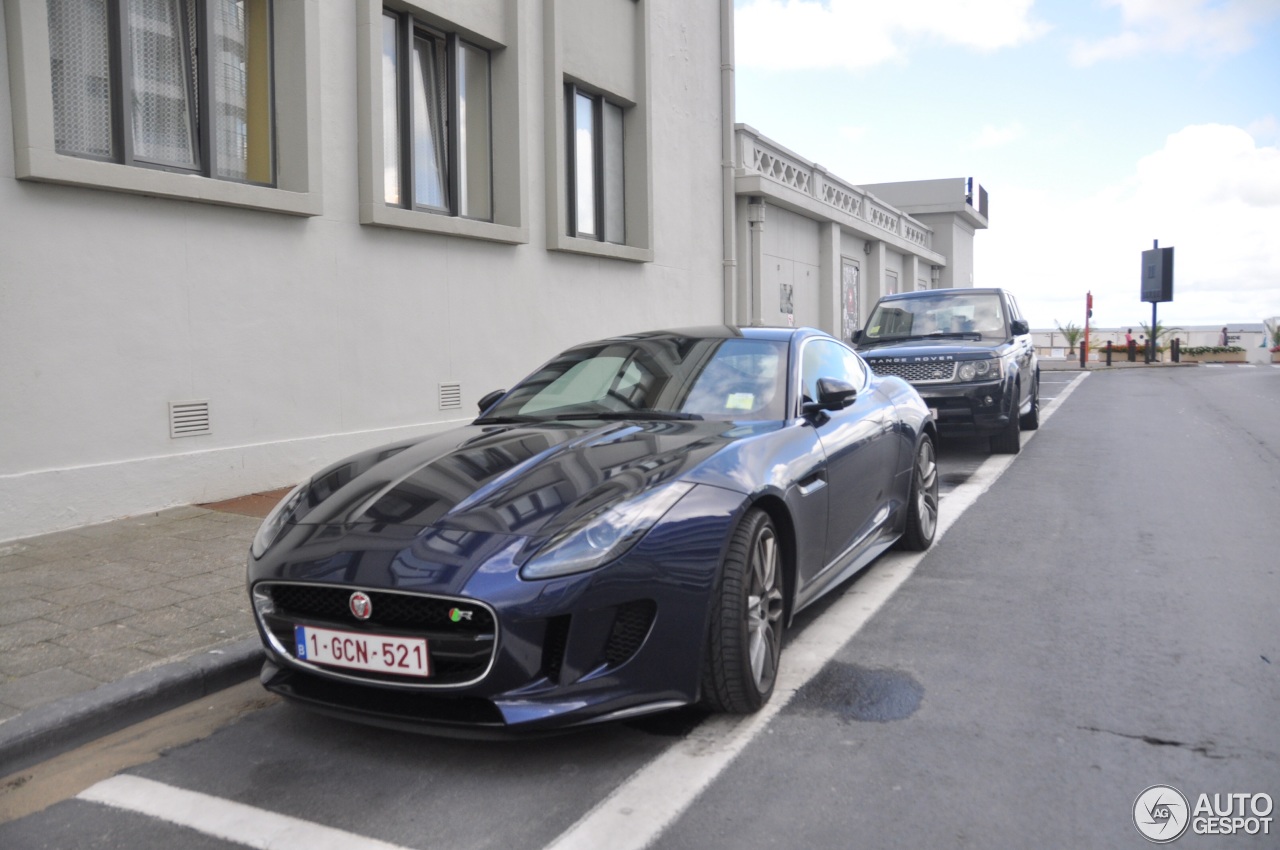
(1031, 421)
(922, 509)
(1008, 441)
(744, 642)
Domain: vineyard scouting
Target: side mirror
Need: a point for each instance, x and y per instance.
(1019, 327)
(833, 394)
(487, 401)
(855, 337)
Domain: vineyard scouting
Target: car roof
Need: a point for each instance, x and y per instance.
(928, 293)
(722, 332)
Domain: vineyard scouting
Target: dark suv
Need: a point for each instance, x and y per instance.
(968, 353)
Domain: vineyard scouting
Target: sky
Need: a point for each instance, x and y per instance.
(1097, 126)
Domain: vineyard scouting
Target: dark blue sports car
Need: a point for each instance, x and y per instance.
(627, 530)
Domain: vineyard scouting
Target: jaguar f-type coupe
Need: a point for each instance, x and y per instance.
(627, 530)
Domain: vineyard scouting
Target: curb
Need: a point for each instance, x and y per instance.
(49, 730)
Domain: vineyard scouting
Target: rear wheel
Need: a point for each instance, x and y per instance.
(744, 642)
(922, 511)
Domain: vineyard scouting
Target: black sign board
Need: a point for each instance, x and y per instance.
(1157, 275)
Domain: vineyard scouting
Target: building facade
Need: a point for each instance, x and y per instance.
(245, 237)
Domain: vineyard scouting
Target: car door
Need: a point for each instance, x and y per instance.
(1025, 352)
(861, 451)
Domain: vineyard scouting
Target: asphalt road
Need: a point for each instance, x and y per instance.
(1100, 618)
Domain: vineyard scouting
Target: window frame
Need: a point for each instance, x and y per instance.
(409, 28)
(200, 96)
(602, 190)
(296, 73)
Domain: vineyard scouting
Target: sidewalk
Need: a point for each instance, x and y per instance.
(107, 625)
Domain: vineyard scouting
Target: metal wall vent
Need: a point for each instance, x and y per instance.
(450, 396)
(188, 418)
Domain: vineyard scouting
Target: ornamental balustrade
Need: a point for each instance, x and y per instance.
(758, 155)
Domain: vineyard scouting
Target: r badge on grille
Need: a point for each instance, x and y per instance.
(361, 605)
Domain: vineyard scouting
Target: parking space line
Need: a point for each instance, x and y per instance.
(639, 810)
(224, 819)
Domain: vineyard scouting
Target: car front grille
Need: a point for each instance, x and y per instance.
(927, 372)
(461, 634)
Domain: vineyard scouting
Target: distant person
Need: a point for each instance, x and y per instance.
(1128, 337)
(1223, 339)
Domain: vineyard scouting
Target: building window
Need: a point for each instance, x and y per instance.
(437, 141)
(595, 170)
(179, 85)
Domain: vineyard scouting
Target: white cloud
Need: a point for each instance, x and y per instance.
(853, 134)
(1211, 193)
(799, 34)
(997, 137)
(1205, 27)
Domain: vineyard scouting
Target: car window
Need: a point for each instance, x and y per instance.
(943, 314)
(825, 358)
(712, 378)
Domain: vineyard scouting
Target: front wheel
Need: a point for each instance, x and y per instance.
(1031, 421)
(922, 509)
(744, 642)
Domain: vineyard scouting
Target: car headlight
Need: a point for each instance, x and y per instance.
(603, 536)
(978, 370)
(274, 523)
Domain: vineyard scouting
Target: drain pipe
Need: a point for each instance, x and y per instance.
(728, 211)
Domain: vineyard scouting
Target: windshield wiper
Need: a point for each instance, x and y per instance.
(955, 335)
(506, 420)
(622, 415)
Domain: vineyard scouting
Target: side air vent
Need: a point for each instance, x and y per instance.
(188, 418)
(450, 396)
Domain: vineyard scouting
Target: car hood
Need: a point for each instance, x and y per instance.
(523, 480)
(947, 349)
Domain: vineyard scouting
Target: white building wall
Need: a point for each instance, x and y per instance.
(315, 335)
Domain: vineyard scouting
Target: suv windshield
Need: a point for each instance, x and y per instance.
(968, 315)
(654, 378)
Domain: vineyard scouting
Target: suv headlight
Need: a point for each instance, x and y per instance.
(979, 370)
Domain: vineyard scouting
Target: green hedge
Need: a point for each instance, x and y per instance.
(1194, 350)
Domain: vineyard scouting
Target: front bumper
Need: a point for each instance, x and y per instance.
(968, 409)
(620, 641)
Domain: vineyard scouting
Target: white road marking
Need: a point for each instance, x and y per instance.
(224, 819)
(638, 811)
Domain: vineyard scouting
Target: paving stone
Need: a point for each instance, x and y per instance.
(110, 666)
(167, 621)
(71, 596)
(207, 585)
(153, 598)
(183, 644)
(26, 660)
(21, 610)
(87, 616)
(219, 605)
(100, 639)
(57, 575)
(40, 688)
(31, 632)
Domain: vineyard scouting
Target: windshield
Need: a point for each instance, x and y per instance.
(660, 377)
(976, 315)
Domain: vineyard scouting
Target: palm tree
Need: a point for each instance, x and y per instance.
(1071, 333)
(1154, 337)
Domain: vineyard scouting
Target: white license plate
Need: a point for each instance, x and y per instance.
(379, 653)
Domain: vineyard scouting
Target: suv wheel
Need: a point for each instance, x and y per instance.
(1031, 421)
